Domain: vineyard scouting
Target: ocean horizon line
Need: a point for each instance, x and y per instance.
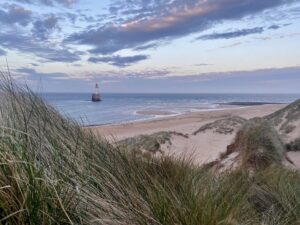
(174, 93)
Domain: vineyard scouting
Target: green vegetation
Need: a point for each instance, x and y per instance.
(259, 144)
(148, 144)
(285, 118)
(223, 126)
(53, 172)
(293, 146)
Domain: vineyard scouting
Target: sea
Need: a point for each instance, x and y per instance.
(125, 108)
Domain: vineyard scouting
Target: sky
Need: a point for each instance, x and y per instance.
(152, 46)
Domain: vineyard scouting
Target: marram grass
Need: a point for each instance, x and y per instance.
(53, 172)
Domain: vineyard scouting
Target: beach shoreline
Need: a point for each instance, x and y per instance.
(203, 147)
(142, 126)
(156, 114)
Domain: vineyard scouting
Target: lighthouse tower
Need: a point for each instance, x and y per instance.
(96, 95)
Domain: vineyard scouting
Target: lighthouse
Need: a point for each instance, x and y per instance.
(96, 95)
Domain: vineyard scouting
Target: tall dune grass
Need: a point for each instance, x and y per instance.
(258, 144)
(53, 172)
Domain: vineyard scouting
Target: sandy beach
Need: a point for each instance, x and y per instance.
(203, 147)
(186, 123)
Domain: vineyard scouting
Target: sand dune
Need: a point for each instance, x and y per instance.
(203, 147)
(287, 121)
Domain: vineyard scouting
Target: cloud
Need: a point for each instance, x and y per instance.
(147, 46)
(255, 81)
(26, 44)
(284, 80)
(274, 27)
(15, 15)
(32, 74)
(166, 20)
(239, 33)
(72, 17)
(2, 52)
(203, 64)
(119, 61)
(232, 45)
(233, 34)
(49, 2)
(42, 28)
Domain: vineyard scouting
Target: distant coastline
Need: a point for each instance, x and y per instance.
(249, 103)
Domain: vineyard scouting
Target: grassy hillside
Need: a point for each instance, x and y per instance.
(53, 172)
(287, 122)
(285, 116)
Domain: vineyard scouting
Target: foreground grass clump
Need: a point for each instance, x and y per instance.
(276, 196)
(53, 172)
(258, 145)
